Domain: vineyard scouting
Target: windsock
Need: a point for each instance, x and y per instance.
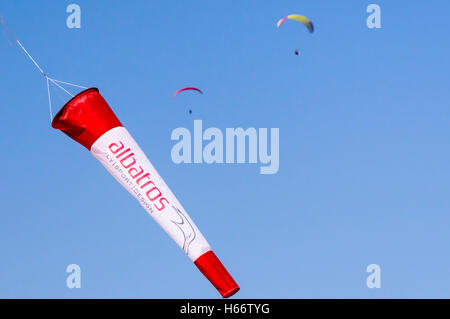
(89, 120)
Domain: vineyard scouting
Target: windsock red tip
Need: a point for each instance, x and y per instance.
(212, 268)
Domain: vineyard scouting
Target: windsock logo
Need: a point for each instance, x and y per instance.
(136, 172)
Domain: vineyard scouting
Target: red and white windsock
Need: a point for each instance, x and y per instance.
(89, 120)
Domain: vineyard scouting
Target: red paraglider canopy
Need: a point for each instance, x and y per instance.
(186, 89)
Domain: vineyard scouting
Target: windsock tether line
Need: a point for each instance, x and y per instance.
(48, 79)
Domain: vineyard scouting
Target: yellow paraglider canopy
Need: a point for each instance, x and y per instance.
(299, 18)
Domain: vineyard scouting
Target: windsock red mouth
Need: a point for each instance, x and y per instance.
(86, 117)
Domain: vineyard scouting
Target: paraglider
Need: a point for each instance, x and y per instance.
(187, 89)
(297, 17)
(88, 119)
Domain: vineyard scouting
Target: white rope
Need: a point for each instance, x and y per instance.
(67, 83)
(49, 99)
(61, 95)
(48, 79)
(31, 58)
(54, 82)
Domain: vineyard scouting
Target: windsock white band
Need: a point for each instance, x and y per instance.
(122, 157)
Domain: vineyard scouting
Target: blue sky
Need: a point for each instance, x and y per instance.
(364, 131)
